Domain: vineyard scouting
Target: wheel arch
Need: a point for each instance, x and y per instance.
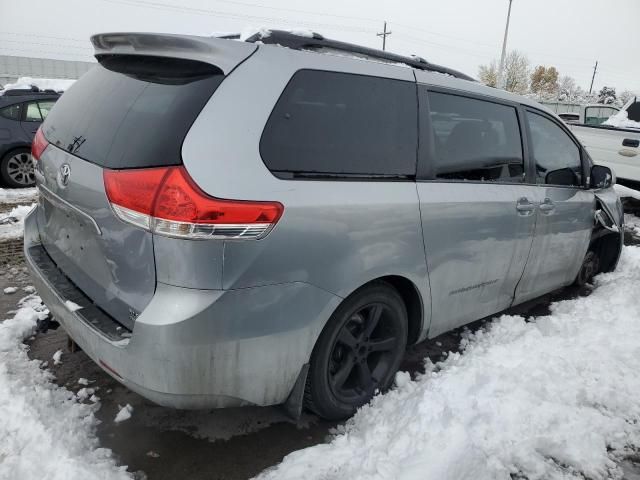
(411, 297)
(5, 150)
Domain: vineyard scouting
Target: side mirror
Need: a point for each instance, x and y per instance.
(601, 177)
(562, 176)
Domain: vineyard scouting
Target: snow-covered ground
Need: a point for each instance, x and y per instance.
(45, 432)
(544, 398)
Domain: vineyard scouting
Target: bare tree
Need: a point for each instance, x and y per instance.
(488, 74)
(568, 90)
(516, 73)
(625, 96)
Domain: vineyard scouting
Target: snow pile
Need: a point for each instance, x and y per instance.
(620, 120)
(557, 397)
(12, 223)
(57, 84)
(44, 431)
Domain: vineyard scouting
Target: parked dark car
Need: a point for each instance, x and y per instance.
(21, 113)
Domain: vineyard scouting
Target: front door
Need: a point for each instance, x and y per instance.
(565, 209)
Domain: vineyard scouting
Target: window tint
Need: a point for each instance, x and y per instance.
(342, 124)
(132, 111)
(554, 151)
(33, 113)
(12, 112)
(475, 140)
(45, 106)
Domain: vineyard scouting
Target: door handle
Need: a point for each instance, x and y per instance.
(525, 207)
(630, 142)
(547, 206)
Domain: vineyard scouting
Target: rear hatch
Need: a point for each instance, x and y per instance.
(129, 112)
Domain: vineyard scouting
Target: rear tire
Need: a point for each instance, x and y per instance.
(16, 169)
(358, 352)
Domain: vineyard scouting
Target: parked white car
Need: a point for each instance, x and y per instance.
(615, 143)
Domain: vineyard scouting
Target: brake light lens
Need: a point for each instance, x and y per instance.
(38, 145)
(167, 201)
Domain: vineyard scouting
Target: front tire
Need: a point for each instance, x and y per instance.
(358, 352)
(589, 269)
(16, 169)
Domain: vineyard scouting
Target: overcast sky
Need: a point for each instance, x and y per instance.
(462, 34)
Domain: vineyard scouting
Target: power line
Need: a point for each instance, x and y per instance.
(76, 56)
(23, 42)
(223, 14)
(43, 36)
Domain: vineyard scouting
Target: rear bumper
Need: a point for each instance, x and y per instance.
(194, 348)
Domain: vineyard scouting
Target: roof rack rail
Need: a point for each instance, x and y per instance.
(315, 41)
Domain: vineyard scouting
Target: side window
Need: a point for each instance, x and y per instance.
(45, 106)
(338, 124)
(12, 112)
(33, 113)
(556, 156)
(475, 139)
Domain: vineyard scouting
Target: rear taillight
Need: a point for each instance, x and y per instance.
(39, 144)
(167, 201)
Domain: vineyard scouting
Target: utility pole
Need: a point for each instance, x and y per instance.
(595, 68)
(504, 50)
(384, 35)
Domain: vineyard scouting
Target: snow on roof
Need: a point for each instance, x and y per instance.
(57, 84)
(549, 397)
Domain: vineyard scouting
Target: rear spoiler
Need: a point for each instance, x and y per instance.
(224, 54)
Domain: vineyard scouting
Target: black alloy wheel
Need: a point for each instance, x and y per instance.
(358, 353)
(16, 169)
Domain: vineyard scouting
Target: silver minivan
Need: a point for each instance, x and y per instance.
(273, 221)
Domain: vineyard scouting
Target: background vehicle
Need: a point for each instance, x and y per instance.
(590, 114)
(287, 221)
(616, 147)
(21, 113)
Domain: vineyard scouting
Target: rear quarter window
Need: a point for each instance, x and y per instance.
(342, 125)
(12, 112)
(132, 111)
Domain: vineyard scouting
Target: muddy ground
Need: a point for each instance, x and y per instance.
(159, 443)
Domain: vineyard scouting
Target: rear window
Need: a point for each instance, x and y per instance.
(338, 124)
(132, 111)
